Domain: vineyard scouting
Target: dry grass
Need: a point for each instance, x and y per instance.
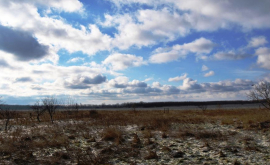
(65, 139)
(112, 134)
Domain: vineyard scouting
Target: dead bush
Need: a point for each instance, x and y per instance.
(112, 134)
(151, 155)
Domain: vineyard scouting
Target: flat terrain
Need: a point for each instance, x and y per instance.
(192, 107)
(216, 136)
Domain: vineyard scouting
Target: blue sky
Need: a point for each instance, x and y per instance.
(114, 51)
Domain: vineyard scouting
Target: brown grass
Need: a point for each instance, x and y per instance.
(69, 130)
(112, 134)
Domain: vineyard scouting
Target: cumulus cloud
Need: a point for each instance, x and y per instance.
(198, 46)
(83, 82)
(190, 84)
(211, 14)
(204, 68)
(201, 45)
(178, 78)
(119, 82)
(146, 27)
(137, 83)
(54, 31)
(123, 82)
(21, 44)
(257, 41)
(263, 54)
(119, 61)
(210, 73)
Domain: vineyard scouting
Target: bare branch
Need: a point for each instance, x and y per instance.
(50, 105)
(261, 94)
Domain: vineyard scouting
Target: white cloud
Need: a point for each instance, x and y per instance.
(146, 27)
(156, 84)
(167, 56)
(178, 78)
(210, 73)
(62, 5)
(123, 82)
(190, 84)
(198, 46)
(257, 41)
(204, 68)
(263, 60)
(76, 59)
(54, 31)
(119, 82)
(119, 61)
(147, 79)
(46, 79)
(211, 14)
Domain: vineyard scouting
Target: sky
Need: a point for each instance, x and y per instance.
(115, 51)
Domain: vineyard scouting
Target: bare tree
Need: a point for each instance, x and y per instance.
(50, 105)
(71, 105)
(261, 94)
(38, 109)
(6, 113)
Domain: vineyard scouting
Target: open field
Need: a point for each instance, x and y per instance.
(240, 136)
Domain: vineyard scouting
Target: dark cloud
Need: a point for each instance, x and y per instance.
(24, 79)
(139, 84)
(172, 90)
(84, 82)
(22, 44)
(119, 85)
(98, 79)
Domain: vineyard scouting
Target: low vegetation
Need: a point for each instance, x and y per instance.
(137, 137)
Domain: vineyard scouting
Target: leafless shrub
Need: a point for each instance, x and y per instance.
(94, 114)
(112, 134)
(50, 105)
(6, 114)
(38, 109)
(203, 107)
(70, 105)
